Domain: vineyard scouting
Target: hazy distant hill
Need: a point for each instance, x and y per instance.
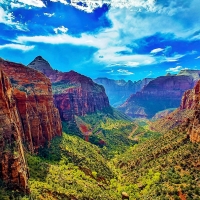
(160, 94)
(119, 90)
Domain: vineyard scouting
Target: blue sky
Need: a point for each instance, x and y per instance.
(129, 39)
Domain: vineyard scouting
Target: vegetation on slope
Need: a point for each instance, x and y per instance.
(133, 159)
(163, 168)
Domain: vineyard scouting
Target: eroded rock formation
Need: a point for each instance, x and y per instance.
(74, 94)
(13, 168)
(191, 101)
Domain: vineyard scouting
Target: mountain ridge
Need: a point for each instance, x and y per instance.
(74, 94)
(160, 94)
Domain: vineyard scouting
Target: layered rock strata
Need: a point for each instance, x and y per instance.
(13, 168)
(74, 94)
(160, 94)
(191, 101)
(34, 100)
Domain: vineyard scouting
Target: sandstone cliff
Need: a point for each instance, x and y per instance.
(74, 94)
(33, 94)
(160, 94)
(118, 91)
(191, 101)
(13, 168)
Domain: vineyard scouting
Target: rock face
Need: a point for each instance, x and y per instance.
(74, 94)
(34, 100)
(119, 90)
(13, 168)
(160, 94)
(191, 101)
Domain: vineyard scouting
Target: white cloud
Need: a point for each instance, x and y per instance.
(197, 57)
(49, 14)
(35, 3)
(90, 5)
(85, 40)
(174, 58)
(16, 5)
(5, 17)
(134, 21)
(132, 64)
(157, 50)
(124, 72)
(107, 53)
(60, 29)
(61, 1)
(175, 69)
(16, 46)
(8, 19)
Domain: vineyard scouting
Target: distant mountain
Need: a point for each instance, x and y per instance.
(119, 90)
(160, 94)
(74, 94)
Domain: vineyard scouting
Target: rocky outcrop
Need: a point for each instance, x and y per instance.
(191, 101)
(163, 113)
(13, 168)
(34, 100)
(160, 94)
(119, 90)
(74, 94)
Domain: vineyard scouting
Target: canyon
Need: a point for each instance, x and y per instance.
(164, 92)
(119, 91)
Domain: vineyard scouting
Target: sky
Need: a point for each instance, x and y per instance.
(117, 39)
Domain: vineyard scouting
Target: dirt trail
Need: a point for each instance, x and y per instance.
(132, 133)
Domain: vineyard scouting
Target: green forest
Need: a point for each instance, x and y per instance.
(122, 156)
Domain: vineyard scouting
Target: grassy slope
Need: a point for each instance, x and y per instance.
(162, 168)
(72, 168)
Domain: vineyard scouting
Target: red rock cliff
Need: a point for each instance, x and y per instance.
(13, 168)
(191, 101)
(74, 94)
(39, 117)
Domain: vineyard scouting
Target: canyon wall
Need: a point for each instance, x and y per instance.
(13, 168)
(34, 100)
(191, 101)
